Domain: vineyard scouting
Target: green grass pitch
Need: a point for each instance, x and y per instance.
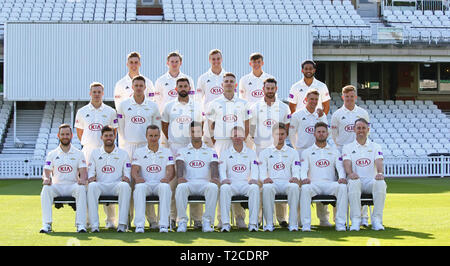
(417, 212)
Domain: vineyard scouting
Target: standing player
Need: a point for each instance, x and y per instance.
(318, 173)
(265, 114)
(176, 119)
(197, 174)
(61, 170)
(152, 171)
(239, 176)
(123, 89)
(297, 93)
(280, 172)
(89, 121)
(109, 174)
(251, 85)
(165, 85)
(363, 162)
(134, 115)
(342, 123)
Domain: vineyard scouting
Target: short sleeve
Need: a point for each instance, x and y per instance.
(82, 161)
(79, 122)
(378, 152)
(49, 161)
(346, 153)
(325, 94)
(165, 116)
(170, 157)
(293, 96)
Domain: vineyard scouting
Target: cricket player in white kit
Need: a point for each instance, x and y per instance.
(60, 178)
(238, 169)
(176, 120)
(297, 93)
(124, 89)
(197, 174)
(265, 114)
(342, 123)
(363, 162)
(109, 175)
(165, 85)
(318, 173)
(251, 85)
(152, 171)
(134, 115)
(279, 170)
(89, 121)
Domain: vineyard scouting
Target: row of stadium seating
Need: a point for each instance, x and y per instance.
(5, 112)
(63, 10)
(402, 128)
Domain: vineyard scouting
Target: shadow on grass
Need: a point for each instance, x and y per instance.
(243, 237)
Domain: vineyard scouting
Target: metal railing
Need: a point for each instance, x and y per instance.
(432, 166)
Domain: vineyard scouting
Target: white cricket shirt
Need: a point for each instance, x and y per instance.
(297, 93)
(264, 117)
(238, 166)
(343, 121)
(123, 89)
(165, 88)
(197, 162)
(279, 165)
(179, 115)
(209, 87)
(64, 166)
(91, 120)
(109, 167)
(320, 164)
(134, 119)
(363, 158)
(153, 164)
(301, 129)
(227, 114)
(251, 87)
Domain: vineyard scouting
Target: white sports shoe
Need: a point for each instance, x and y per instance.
(268, 228)
(252, 228)
(340, 228)
(377, 226)
(81, 229)
(163, 229)
(240, 223)
(306, 228)
(293, 228)
(365, 221)
(182, 227)
(94, 230)
(206, 226)
(139, 229)
(46, 228)
(121, 228)
(110, 225)
(355, 227)
(226, 228)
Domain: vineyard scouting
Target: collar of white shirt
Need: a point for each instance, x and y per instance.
(307, 112)
(284, 148)
(234, 99)
(233, 150)
(327, 147)
(192, 147)
(253, 75)
(115, 151)
(214, 74)
(92, 107)
(150, 151)
(180, 74)
(71, 150)
(347, 110)
(133, 101)
(314, 83)
(368, 142)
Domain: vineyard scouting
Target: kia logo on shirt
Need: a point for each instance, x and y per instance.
(309, 130)
(363, 162)
(349, 128)
(153, 168)
(258, 93)
(230, 118)
(197, 164)
(173, 93)
(278, 166)
(184, 120)
(216, 90)
(95, 127)
(269, 122)
(108, 169)
(65, 169)
(138, 120)
(322, 163)
(239, 168)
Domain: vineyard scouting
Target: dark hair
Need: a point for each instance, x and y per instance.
(270, 80)
(134, 54)
(64, 126)
(138, 77)
(196, 124)
(309, 62)
(362, 120)
(174, 54)
(151, 127)
(183, 80)
(278, 126)
(256, 56)
(229, 74)
(321, 124)
(107, 128)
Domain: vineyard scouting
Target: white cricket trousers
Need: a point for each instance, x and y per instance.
(378, 190)
(292, 190)
(323, 188)
(142, 190)
(96, 189)
(109, 210)
(196, 210)
(208, 190)
(241, 188)
(49, 192)
(130, 148)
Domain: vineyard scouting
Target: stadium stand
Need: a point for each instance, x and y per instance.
(5, 113)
